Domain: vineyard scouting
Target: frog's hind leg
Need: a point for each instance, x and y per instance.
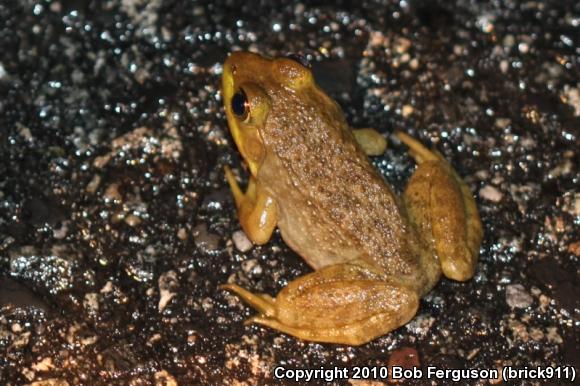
(342, 303)
(443, 209)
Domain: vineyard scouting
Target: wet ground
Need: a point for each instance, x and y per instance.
(116, 225)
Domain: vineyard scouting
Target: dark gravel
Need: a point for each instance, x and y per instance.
(116, 223)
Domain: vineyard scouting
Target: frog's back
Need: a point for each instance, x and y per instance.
(334, 205)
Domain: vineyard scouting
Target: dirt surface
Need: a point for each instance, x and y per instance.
(116, 225)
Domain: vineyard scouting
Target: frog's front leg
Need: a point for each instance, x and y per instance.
(444, 211)
(343, 303)
(256, 210)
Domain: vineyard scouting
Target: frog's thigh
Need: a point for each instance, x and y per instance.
(442, 206)
(341, 303)
(370, 140)
(256, 210)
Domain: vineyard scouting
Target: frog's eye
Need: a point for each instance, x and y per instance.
(240, 105)
(300, 59)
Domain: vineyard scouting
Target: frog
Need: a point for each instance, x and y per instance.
(374, 253)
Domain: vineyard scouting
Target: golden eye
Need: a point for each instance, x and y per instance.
(240, 105)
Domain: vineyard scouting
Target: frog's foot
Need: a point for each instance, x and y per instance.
(444, 211)
(341, 303)
(256, 210)
(371, 141)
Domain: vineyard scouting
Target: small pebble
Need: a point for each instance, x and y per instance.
(402, 45)
(44, 365)
(482, 174)
(574, 248)
(107, 288)
(504, 66)
(536, 334)
(544, 302)
(252, 267)
(182, 234)
(91, 302)
(407, 111)
(241, 241)
(164, 378)
(509, 40)
(553, 336)
(502, 123)
(576, 206)
(132, 220)
(376, 39)
(524, 47)
(93, 185)
(519, 330)
(112, 193)
(516, 296)
(572, 97)
(490, 193)
(168, 283)
(405, 357)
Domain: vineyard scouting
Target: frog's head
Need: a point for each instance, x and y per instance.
(249, 84)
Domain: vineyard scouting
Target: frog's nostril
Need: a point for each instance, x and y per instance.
(298, 58)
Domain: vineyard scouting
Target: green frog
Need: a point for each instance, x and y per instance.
(374, 254)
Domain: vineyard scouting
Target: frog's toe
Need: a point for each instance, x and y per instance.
(416, 149)
(371, 141)
(263, 303)
(458, 263)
